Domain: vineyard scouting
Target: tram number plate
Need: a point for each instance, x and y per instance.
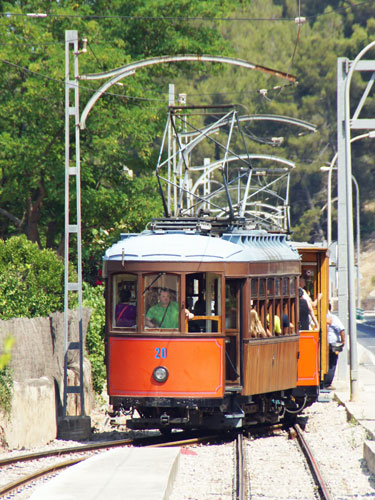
(160, 352)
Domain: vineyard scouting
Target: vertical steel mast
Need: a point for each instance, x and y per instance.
(72, 177)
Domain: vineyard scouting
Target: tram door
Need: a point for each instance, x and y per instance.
(233, 331)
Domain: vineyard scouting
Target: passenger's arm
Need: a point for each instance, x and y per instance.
(312, 314)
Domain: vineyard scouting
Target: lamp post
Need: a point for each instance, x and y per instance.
(331, 167)
(329, 218)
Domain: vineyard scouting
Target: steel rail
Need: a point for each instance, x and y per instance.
(239, 490)
(64, 451)
(107, 444)
(322, 488)
(74, 449)
(41, 472)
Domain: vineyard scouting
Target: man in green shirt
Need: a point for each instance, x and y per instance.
(164, 314)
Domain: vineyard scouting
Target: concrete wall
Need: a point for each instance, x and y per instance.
(33, 416)
(37, 367)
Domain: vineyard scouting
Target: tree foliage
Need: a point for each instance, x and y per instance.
(125, 125)
(333, 29)
(93, 297)
(31, 280)
(6, 380)
(122, 127)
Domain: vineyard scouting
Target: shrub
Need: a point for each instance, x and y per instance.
(93, 297)
(31, 280)
(6, 389)
(32, 285)
(6, 381)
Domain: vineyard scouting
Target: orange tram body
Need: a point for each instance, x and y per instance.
(181, 347)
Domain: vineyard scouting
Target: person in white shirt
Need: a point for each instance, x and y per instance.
(336, 340)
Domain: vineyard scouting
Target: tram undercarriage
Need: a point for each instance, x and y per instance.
(233, 411)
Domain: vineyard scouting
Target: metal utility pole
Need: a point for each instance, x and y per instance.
(72, 176)
(345, 123)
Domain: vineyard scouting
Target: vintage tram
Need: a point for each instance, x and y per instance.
(202, 309)
(182, 350)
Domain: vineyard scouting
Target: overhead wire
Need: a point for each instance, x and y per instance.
(263, 92)
(43, 15)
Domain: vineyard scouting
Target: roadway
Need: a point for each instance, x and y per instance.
(366, 337)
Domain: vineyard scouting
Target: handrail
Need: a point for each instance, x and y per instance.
(214, 318)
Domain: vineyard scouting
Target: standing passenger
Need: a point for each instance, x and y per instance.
(336, 341)
(306, 313)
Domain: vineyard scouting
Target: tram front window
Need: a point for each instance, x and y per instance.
(161, 301)
(125, 301)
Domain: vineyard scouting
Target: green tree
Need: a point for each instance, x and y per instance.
(124, 124)
(333, 29)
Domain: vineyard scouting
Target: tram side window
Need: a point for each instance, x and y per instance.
(125, 301)
(230, 305)
(257, 309)
(161, 301)
(272, 307)
(289, 305)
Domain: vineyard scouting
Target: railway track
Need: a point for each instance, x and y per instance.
(281, 463)
(85, 451)
(323, 490)
(240, 476)
(241, 480)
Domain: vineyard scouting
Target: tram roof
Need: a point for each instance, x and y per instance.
(194, 247)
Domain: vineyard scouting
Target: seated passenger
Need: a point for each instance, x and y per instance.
(288, 327)
(200, 306)
(199, 309)
(256, 327)
(276, 325)
(164, 314)
(126, 313)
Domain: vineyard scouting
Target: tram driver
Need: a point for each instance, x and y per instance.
(165, 313)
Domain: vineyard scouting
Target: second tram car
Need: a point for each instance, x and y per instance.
(202, 327)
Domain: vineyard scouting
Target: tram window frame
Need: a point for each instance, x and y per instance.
(208, 285)
(258, 303)
(232, 305)
(280, 299)
(158, 284)
(289, 304)
(131, 301)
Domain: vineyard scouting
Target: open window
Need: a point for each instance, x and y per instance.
(203, 299)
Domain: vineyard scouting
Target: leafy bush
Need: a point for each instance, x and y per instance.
(6, 389)
(31, 280)
(6, 381)
(32, 285)
(93, 297)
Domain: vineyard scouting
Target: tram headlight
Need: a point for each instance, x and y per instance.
(160, 374)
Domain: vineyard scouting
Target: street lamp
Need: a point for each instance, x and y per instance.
(329, 220)
(370, 135)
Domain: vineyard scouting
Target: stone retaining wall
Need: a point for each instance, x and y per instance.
(37, 367)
